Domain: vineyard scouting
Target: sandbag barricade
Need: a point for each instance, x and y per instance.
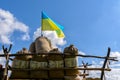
(52, 60)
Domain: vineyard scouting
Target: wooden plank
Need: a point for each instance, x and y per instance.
(105, 62)
(6, 54)
(100, 69)
(49, 78)
(88, 56)
(6, 67)
(84, 75)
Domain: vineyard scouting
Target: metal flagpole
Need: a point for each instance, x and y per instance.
(41, 25)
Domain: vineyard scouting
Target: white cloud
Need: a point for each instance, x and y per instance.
(110, 75)
(80, 52)
(115, 54)
(26, 37)
(2, 59)
(115, 68)
(37, 33)
(113, 75)
(9, 24)
(52, 36)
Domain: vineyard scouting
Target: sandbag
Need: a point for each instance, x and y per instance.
(71, 50)
(72, 72)
(76, 77)
(39, 74)
(55, 61)
(71, 60)
(38, 65)
(39, 58)
(39, 62)
(42, 44)
(21, 62)
(23, 51)
(56, 64)
(32, 48)
(56, 73)
(93, 79)
(19, 74)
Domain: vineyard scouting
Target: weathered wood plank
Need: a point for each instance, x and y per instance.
(88, 56)
(101, 69)
(105, 62)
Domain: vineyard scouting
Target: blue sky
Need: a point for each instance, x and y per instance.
(91, 25)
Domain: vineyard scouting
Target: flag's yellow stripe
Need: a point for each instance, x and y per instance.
(47, 24)
(60, 33)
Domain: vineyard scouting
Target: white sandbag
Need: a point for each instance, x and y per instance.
(71, 50)
(71, 62)
(20, 64)
(56, 64)
(37, 65)
(42, 44)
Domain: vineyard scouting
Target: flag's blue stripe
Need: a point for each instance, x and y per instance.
(44, 15)
(61, 27)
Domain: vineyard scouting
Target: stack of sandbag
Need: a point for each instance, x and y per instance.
(21, 62)
(56, 61)
(39, 62)
(42, 45)
(71, 60)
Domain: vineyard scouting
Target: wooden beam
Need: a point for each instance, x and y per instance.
(84, 75)
(104, 65)
(100, 69)
(88, 56)
(6, 54)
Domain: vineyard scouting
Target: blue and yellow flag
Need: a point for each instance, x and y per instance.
(50, 25)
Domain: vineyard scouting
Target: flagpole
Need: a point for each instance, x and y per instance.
(41, 31)
(41, 25)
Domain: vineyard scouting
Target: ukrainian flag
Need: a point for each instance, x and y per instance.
(50, 25)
